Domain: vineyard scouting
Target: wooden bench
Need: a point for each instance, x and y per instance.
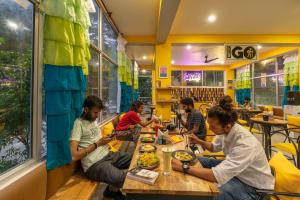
(78, 187)
(69, 182)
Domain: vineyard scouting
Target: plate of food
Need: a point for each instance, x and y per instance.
(148, 161)
(147, 139)
(147, 148)
(184, 156)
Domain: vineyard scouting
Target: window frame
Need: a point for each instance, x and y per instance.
(276, 75)
(102, 55)
(203, 81)
(36, 96)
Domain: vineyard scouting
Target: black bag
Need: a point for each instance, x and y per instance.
(128, 135)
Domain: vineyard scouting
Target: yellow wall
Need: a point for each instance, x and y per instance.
(162, 58)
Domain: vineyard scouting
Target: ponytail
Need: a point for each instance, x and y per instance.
(224, 112)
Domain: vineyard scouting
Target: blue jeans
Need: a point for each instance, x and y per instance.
(234, 189)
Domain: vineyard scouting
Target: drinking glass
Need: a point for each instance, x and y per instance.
(167, 153)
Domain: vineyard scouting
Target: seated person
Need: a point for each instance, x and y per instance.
(245, 167)
(247, 103)
(195, 122)
(87, 145)
(132, 118)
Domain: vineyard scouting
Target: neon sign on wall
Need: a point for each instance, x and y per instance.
(192, 76)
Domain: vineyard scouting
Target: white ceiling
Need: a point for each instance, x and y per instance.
(238, 17)
(134, 17)
(196, 54)
(138, 52)
(140, 17)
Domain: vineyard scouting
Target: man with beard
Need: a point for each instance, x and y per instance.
(195, 122)
(88, 145)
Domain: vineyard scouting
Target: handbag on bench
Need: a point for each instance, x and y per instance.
(128, 135)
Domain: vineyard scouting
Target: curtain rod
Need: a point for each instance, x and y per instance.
(108, 14)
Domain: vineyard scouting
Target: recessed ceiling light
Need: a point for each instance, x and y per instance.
(172, 62)
(188, 46)
(144, 71)
(144, 57)
(211, 18)
(259, 46)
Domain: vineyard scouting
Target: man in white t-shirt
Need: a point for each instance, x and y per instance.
(88, 145)
(245, 167)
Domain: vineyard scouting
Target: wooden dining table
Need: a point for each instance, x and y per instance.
(175, 186)
(266, 127)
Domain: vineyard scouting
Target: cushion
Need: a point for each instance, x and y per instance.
(287, 176)
(107, 129)
(286, 147)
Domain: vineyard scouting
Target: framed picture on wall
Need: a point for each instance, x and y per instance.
(163, 72)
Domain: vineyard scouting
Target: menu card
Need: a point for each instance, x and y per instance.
(143, 175)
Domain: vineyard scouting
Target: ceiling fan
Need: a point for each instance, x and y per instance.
(209, 60)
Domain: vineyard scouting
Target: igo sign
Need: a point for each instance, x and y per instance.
(241, 52)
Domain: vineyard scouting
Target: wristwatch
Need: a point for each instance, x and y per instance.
(185, 167)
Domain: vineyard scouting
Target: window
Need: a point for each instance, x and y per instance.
(192, 78)
(197, 78)
(94, 29)
(176, 78)
(269, 81)
(109, 88)
(93, 77)
(102, 78)
(265, 67)
(213, 78)
(265, 90)
(16, 50)
(109, 39)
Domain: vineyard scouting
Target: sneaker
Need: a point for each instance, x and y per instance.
(114, 195)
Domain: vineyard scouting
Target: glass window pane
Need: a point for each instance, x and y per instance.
(219, 78)
(176, 78)
(109, 88)
(209, 77)
(192, 78)
(265, 90)
(94, 29)
(16, 42)
(145, 86)
(280, 61)
(93, 79)
(280, 89)
(109, 39)
(265, 67)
